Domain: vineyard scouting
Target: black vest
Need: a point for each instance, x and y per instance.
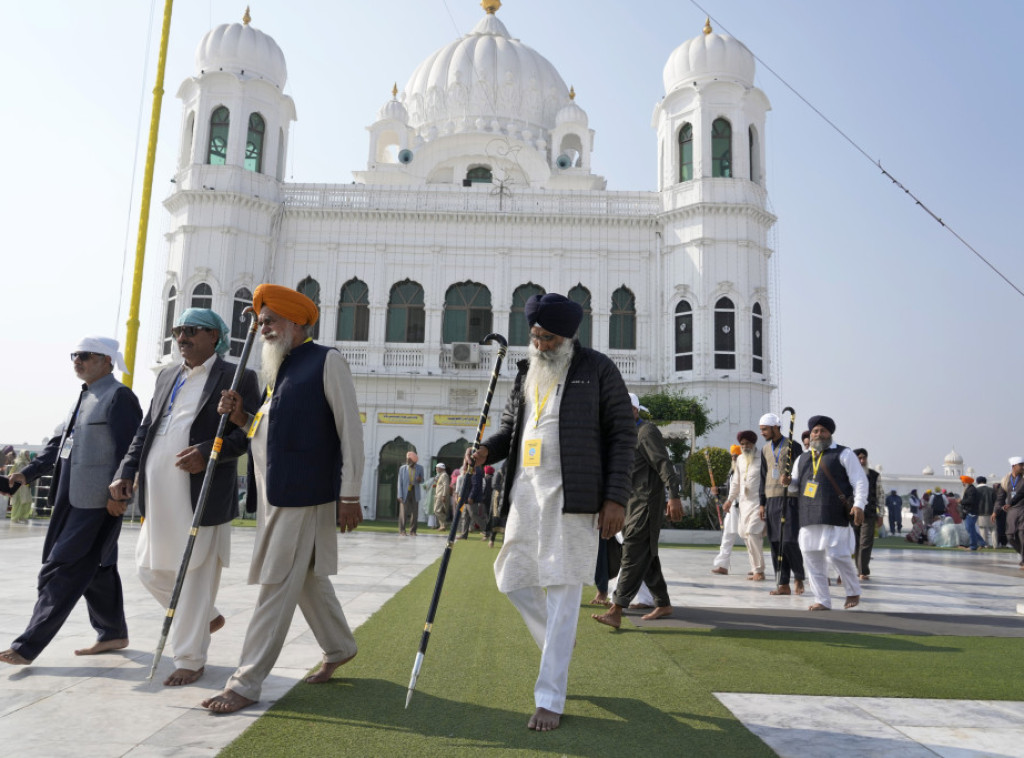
(303, 449)
(825, 507)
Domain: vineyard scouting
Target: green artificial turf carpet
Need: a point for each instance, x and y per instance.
(631, 693)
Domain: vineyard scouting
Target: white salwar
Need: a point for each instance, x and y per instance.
(547, 555)
(821, 543)
(297, 549)
(165, 530)
(743, 493)
(730, 533)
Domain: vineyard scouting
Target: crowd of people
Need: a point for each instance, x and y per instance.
(580, 467)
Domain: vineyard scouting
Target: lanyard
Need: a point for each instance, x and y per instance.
(539, 404)
(1014, 481)
(178, 384)
(815, 463)
(777, 452)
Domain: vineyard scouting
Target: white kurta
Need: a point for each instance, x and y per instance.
(544, 547)
(743, 492)
(169, 512)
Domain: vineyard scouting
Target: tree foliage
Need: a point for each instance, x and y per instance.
(697, 466)
(676, 406)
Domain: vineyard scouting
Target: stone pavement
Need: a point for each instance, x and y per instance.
(103, 706)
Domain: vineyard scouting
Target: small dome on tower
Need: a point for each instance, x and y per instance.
(709, 55)
(571, 113)
(928, 471)
(242, 49)
(393, 110)
(953, 459)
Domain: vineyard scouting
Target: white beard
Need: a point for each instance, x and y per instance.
(820, 446)
(272, 355)
(748, 459)
(547, 368)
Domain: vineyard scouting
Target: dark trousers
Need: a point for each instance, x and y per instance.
(865, 535)
(792, 562)
(895, 520)
(78, 541)
(408, 512)
(640, 562)
(601, 570)
(1000, 527)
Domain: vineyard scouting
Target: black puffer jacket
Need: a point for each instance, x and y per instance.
(597, 434)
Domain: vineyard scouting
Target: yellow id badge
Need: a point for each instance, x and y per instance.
(810, 489)
(255, 424)
(531, 457)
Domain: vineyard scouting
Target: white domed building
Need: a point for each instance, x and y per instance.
(478, 193)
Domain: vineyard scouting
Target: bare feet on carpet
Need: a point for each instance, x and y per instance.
(852, 601)
(782, 589)
(544, 720)
(818, 607)
(658, 613)
(228, 701)
(181, 677)
(217, 624)
(613, 618)
(14, 658)
(799, 587)
(600, 599)
(327, 669)
(103, 647)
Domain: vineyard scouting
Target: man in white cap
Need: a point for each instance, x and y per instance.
(442, 493)
(80, 550)
(169, 455)
(1011, 500)
(653, 473)
(780, 511)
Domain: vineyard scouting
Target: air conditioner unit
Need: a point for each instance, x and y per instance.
(465, 352)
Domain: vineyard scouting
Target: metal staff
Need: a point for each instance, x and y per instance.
(204, 492)
(785, 472)
(429, 625)
(711, 476)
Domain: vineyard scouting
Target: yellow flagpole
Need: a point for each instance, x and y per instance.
(132, 336)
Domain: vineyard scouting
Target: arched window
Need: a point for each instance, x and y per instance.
(580, 294)
(518, 329)
(202, 296)
(354, 312)
(254, 143)
(721, 148)
(756, 330)
(684, 336)
(172, 295)
(406, 318)
(479, 175)
(467, 313)
(311, 289)
(239, 326)
(755, 161)
(725, 334)
(622, 326)
(686, 153)
(220, 122)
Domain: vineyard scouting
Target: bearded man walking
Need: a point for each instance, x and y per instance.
(306, 451)
(568, 433)
(778, 509)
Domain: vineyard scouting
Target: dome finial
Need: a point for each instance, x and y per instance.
(246, 18)
(491, 6)
(394, 90)
(707, 25)
(572, 92)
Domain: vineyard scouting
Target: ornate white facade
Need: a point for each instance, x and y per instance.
(478, 191)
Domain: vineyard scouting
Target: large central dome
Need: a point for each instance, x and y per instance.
(483, 77)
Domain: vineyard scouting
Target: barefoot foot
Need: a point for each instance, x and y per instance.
(782, 589)
(658, 613)
(818, 607)
(852, 601)
(612, 618)
(14, 658)
(600, 599)
(181, 677)
(228, 701)
(327, 670)
(103, 647)
(217, 624)
(799, 587)
(544, 720)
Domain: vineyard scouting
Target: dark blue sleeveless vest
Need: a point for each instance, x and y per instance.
(303, 450)
(825, 507)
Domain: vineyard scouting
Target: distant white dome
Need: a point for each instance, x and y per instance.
(709, 55)
(953, 459)
(928, 471)
(242, 49)
(484, 80)
(571, 114)
(970, 471)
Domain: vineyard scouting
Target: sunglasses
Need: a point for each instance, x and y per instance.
(188, 331)
(83, 356)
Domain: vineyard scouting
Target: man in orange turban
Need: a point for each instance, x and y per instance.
(306, 453)
(969, 507)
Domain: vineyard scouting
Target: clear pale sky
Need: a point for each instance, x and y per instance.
(885, 321)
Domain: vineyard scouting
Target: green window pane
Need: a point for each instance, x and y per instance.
(220, 123)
